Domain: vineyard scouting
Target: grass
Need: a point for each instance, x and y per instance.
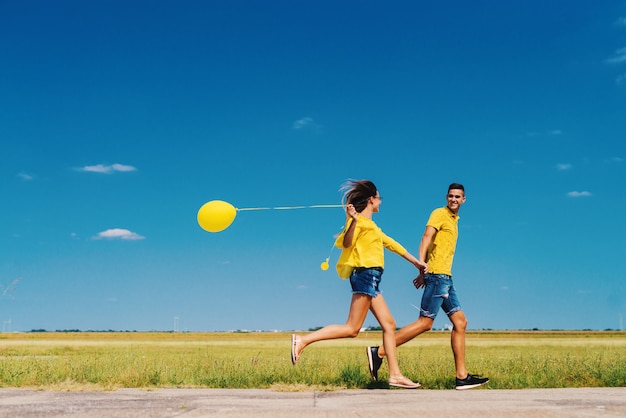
(109, 360)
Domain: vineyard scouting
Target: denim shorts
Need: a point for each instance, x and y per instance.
(366, 280)
(439, 292)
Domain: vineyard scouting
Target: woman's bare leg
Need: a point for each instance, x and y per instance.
(359, 307)
(388, 324)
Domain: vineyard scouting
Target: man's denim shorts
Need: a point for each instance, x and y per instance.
(366, 280)
(439, 292)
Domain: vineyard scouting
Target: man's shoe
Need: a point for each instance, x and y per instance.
(374, 361)
(471, 381)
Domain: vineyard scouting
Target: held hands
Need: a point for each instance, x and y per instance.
(418, 282)
(420, 265)
(423, 267)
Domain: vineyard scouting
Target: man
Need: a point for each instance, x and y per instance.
(437, 249)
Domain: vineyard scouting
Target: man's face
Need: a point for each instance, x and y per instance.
(455, 198)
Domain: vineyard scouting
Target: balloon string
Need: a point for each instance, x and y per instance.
(253, 208)
(332, 247)
(294, 207)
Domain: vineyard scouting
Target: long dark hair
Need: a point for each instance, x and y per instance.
(358, 192)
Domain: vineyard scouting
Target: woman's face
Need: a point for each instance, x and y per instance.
(376, 201)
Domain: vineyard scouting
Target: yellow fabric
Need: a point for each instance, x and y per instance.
(441, 250)
(367, 249)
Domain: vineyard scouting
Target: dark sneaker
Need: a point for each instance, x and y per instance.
(374, 361)
(471, 381)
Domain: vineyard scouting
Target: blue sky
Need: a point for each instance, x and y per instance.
(118, 120)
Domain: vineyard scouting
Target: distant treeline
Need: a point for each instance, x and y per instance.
(89, 330)
(370, 328)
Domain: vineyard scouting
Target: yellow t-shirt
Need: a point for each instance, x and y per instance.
(441, 251)
(367, 249)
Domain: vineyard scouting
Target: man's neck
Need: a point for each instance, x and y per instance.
(454, 212)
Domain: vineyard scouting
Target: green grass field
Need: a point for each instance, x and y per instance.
(111, 360)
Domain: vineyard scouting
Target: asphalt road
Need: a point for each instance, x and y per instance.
(586, 402)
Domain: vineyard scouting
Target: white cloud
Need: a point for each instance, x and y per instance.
(25, 176)
(621, 80)
(619, 56)
(555, 132)
(614, 160)
(302, 123)
(107, 169)
(122, 167)
(10, 288)
(621, 21)
(305, 123)
(579, 194)
(563, 167)
(118, 233)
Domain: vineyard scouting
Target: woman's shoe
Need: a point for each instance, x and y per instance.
(403, 382)
(295, 340)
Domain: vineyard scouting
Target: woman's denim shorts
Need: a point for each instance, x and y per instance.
(366, 280)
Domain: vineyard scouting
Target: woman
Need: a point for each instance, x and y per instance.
(362, 260)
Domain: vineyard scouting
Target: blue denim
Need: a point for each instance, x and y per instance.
(366, 280)
(439, 292)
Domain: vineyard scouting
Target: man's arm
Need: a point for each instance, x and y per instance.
(427, 239)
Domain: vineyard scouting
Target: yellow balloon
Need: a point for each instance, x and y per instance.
(216, 215)
(324, 265)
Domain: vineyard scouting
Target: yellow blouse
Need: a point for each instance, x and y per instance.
(367, 249)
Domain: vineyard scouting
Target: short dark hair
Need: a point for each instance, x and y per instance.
(457, 186)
